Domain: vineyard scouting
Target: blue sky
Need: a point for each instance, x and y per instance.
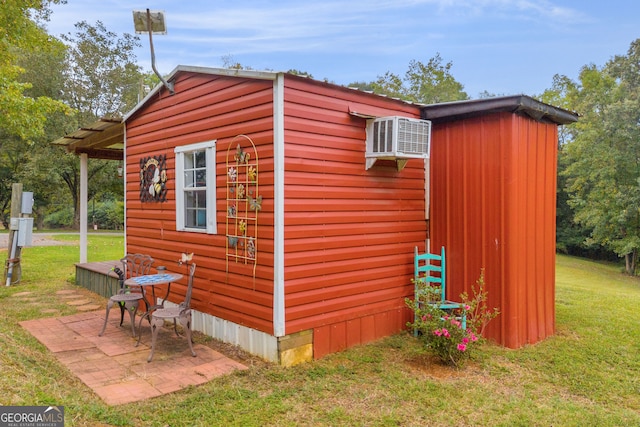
(502, 46)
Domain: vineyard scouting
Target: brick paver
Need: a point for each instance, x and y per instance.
(115, 369)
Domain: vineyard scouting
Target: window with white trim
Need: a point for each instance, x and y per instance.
(196, 187)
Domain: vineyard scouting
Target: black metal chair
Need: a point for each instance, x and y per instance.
(126, 298)
(180, 313)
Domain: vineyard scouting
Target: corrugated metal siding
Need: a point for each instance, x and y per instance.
(204, 108)
(349, 232)
(493, 207)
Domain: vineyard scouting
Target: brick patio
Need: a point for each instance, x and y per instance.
(114, 368)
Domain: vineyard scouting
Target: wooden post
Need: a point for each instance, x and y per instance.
(16, 209)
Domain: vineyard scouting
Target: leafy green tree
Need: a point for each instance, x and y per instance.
(101, 79)
(363, 86)
(300, 73)
(603, 154)
(41, 167)
(21, 31)
(38, 166)
(571, 237)
(428, 83)
(228, 61)
(40, 68)
(486, 95)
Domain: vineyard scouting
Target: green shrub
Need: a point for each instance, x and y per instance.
(108, 215)
(62, 218)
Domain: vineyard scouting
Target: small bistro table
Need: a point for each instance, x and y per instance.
(152, 280)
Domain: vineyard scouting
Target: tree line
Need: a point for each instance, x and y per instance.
(51, 86)
(599, 159)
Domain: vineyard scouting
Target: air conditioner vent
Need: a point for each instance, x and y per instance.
(397, 138)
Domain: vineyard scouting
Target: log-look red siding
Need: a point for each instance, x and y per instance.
(493, 205)
(204, 108)
(349, 232)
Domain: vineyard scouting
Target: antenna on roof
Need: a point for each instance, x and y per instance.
(152, 22)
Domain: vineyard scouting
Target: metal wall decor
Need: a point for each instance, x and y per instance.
(243, 201)
(153, 178)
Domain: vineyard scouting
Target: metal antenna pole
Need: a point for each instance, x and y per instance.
(169, 86)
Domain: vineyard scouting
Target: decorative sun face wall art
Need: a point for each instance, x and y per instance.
(153, 178)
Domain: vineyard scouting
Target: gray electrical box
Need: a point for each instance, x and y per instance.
(25, 231)
(27, 202)
(14, 224)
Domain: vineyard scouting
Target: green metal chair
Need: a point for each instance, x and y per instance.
(430, 271)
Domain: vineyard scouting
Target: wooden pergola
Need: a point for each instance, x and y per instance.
(102, 139)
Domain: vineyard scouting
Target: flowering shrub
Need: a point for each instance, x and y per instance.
(478, 314)
(442, 332)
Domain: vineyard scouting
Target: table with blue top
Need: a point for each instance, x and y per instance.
(152, 280)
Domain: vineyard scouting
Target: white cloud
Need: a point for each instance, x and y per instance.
(334, 38)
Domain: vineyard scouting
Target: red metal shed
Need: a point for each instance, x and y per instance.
(326, 261)
(304, 246)
(493, 206)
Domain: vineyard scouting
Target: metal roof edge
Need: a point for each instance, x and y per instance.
(231, 72)
(139, 105)
(99, 139)
(523, 104)
(250, 74)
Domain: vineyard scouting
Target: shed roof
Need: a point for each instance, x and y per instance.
(102, 139)
(232, 72)
(518, 104)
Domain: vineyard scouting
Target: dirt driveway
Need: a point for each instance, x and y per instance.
(38, 239)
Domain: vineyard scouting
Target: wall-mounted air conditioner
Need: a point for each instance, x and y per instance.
(397, 138)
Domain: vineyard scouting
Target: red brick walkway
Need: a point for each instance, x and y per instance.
(115, 369)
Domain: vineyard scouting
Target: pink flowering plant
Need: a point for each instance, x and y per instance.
(442, 330)
(478, 312)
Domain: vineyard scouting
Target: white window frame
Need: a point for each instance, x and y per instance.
(209, 147)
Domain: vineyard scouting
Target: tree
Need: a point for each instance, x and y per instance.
(363, 86)
(300, 73)
(20, 31)
(571, 237)
(40, 78)
(603, 154)
(97, 75)
(422, 83)
(101, 79)
(228, 61)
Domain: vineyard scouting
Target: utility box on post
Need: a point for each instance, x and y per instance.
(25, 231)
(27, 203)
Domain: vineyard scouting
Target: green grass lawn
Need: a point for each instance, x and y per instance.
(588, 374)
